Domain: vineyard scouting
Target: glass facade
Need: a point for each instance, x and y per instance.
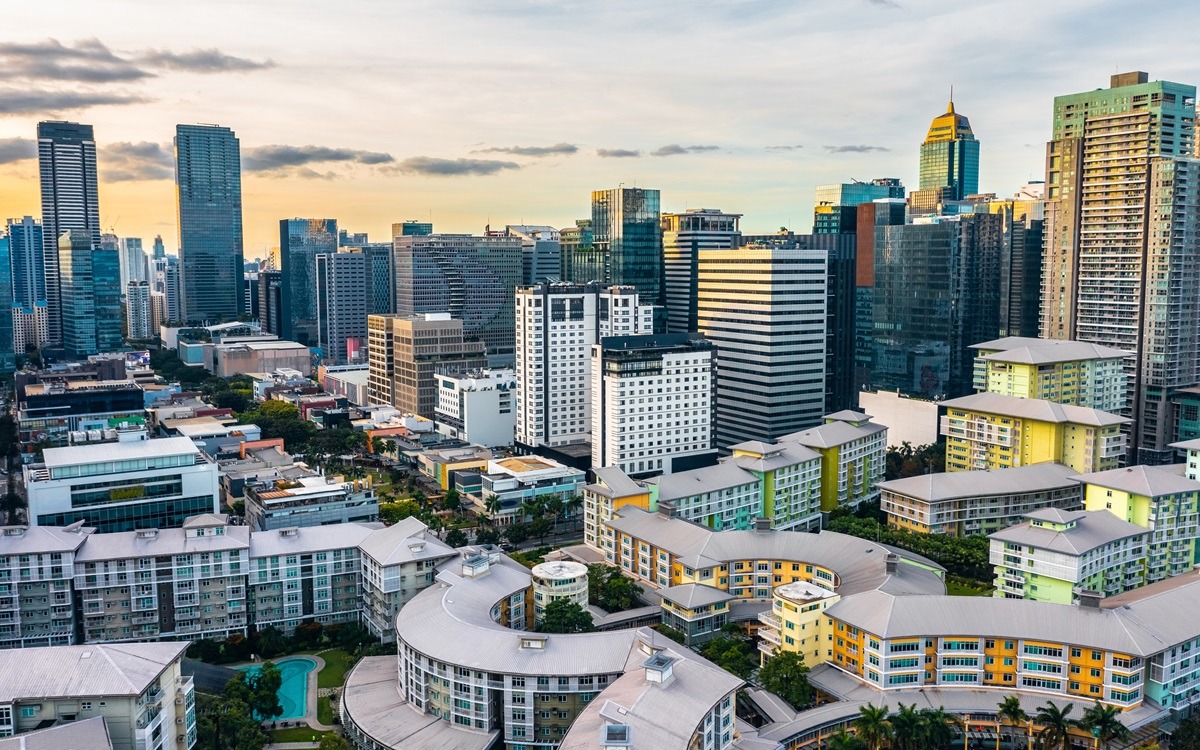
(381, 298)
(8, 360)
(90, 285)
(836, 209)
(950, 157)
(27, 254)
(208, 175)
(160, 514)
(300, 242)
(626, 228)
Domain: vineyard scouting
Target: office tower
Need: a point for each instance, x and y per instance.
(949, 163)
(470, 277)
(208, 177)
(8, 360)
(133, 261)
(412, 228)
(626, 233)
(90, 282)
(652, 403)
(347, 239)
(836, 209)
(683, 237)
(556, 326)
(541, 255)
(1121, 259)
(270, 300)
(160, 250)
(342, 292)
(158, 312)
(1021, 259)
(67, 167)
(250, 294)
(381, 278)
(579, 261)
(30, 325)
(763, 309)
(936, 293)
(880, 213)
(406, 352)
(138, 311)
(165, 281)
(300, 242)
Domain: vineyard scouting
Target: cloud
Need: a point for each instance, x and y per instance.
(783, 148)
(276, 157)
(88, 61)
(674, 149)
(854, 149)
(18, 102)
(17, 149)
(429, 165)
(616, 153)
(558, 148)
(884, 3)
(124, 161)
(202, 61)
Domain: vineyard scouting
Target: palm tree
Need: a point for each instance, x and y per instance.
(573, 504)
(493, 505)
(872, 726)
(531, 508)
(387, 447)
(843, 740)
(1010, 711)
(1103, 723)
(1056, 727)
(907, 728)
(937, 731)
(554, 507)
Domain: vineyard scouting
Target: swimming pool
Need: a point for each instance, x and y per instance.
(293, 692)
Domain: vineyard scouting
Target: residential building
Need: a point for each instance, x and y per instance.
(908, 420)
(70, 202)
(308, 499)
(1055, 555)
(556, 326)
(470, 278)
(936, 291)
(507, 482)
(398, 562)
(764, 311)
(158, 312)
(968, 503)
(300, 242)
(26, 250)
(406, 352)
(165, 279)
(8, 360)
(137, 311)
(1119, 274)
(208, 178)
(684, 235)
(81, 734)
(541, 256)
(135, 692)
(36, 568)
(90, 295)
(853, 451)
(836, 206)
(134, 266)
(556, 580)
(478, 406)
(122, 486)
(343, 291)
(1066, 372)
(949, 162)
(270, 300)
(1024, 218)
(30, 326)
(635, 426)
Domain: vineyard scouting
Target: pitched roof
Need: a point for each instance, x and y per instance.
(1148, 481)
(28, 540)
(405, 541)
(1032, 408)
(832, 434)
(113, 669)
(612, 482)
(691, 595)
(1093, 529)
(1019, 350)
(699, 481)
(85, 734)
(954, 485)
(123, 544)
(295, 541)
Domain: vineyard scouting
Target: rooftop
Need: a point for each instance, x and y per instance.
(1148, 481)
(71, 672)
(402, 542)
(723, 476)
(1030, 351)
(1029, 408)
(113, 452)
(85, 734)
(160, 542)
(1093, 529)
(296, 541)
(24, 540)
(832, 434)
(944, 487)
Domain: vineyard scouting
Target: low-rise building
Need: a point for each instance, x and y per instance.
(556, 580)
(307, 498)
(398, 562)
(443, 464)
(49, 411)
(508, 482)
(1054, 555)
(215, 435)
(243, 357)
(478, 406)
(964, 503)
(345, 381)
(1065, 372)
(853, 455)
(37, 605)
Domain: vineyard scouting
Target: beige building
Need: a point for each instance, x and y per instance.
(405, 352)
(36, 604)
(260, 356)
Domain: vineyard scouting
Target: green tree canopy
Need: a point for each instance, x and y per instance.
(565, 616)
(786, 675)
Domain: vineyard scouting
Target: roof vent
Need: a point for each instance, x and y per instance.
(14, 531)
(762, 525)
(1090, 599)
(290, 531)
(615, 735)
(666, 508)
(891, 563)
(147, 533)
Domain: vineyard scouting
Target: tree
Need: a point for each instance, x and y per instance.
(1055, 726)
(493, 505)
(487, 536)
(386, 447)
(872, 726)
(205, 650)
(555, 506)
(452, 501)
(1104, 725)
(269, 642)
(308, 634)
(456, 538)
(333, 742)
(843, 740)
(907, 728)
(265, 691)
(226, 722)
(541, 528)
(516, 533)
(938, 727)
(1010, 711)
(734, 654)
(565, 616)
(391, 513)
(531, 508)
(786, 675)
(1186, 736)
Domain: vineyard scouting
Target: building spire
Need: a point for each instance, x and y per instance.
(950, 109)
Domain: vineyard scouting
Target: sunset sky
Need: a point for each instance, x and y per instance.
(512, 111)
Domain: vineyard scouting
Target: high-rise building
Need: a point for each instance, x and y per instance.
(949, 162)
(683, 237)
(138, 314)
(208, 177)
(763, 309)
(556, 326)
(270, 300)
(880, 213)
(1021, 260)
(470, 277)
(67, 167)
(30, 324)
(836, 206)
(8, 350)
(652, 403)
(580, 263)
(300, 242)
(342, 292)
(165, 281)
(412, 228)
(90, 282)
(1121, 256)
(133, 261)
(381, 278)
(160, 250)
(626, 231)
(158, 312)
(936, 292)
(347, 238)
(540, 252)
(406, 352)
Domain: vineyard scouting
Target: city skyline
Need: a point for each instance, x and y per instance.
(403, 119)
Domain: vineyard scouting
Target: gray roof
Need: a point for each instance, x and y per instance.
(1093, 529)
(614, 483)
(297, 541)
(112, 669)
(1029, 351)
(1150, 481)
(104, 452)
(702, 480)
(832, 434)
(934, 488)
(371, 699)
(691, 595)
(405, 541)
(848, 415)
(1188, 445)
(86, 734)
(1032, 408)
(774, 456)
(31, 540)
(125, 544)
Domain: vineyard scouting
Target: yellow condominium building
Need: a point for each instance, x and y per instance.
(1066, 372)
(995, 431)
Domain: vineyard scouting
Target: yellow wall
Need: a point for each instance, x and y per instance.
(1133, 508)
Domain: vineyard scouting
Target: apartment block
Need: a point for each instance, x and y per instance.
(37, 605)
(1066, 372)
(398, 562)
(853, 450)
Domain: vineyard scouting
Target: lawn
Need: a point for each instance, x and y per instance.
(324, 710)
(959, 587)
(297, 734)
(337, 663)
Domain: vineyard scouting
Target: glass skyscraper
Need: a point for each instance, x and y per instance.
(91, 295)
(836, 206)
(300, 242)
(950, 157)
(626, 229)
(8, 360)
(208, 176)
(67, 168)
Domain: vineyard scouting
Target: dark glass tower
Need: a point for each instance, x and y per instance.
(626, 230)
(300, 242)
(91, 295)
(208, 175)
(950, 157)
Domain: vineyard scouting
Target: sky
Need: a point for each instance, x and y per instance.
(470, 112)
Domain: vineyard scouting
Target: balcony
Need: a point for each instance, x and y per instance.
(771, 620)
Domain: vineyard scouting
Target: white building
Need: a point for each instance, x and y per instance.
(309, 499)
(558, 579)
(651, 402)
(398, 562)
(478, 407)
(137, 310)
(31, 326)
(556, 326)
(122, 486)
(508, 482)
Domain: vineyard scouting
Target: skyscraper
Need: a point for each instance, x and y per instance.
(949, 162)
(8, 360)
(67, 168)
(208, 177)
(138, 315)
(165, 281)
(1021, 260)
(836, 206)
(28, 283)
(626, 231)
(160, 250)
(683, 237)
(270, 299)
(540, 252)
(133, 261)
(90, 280)
(300, 242)
(1121, 253)
(342, 292)
(412, 228)
(381, 278)
(405, 352)
(879, 213)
